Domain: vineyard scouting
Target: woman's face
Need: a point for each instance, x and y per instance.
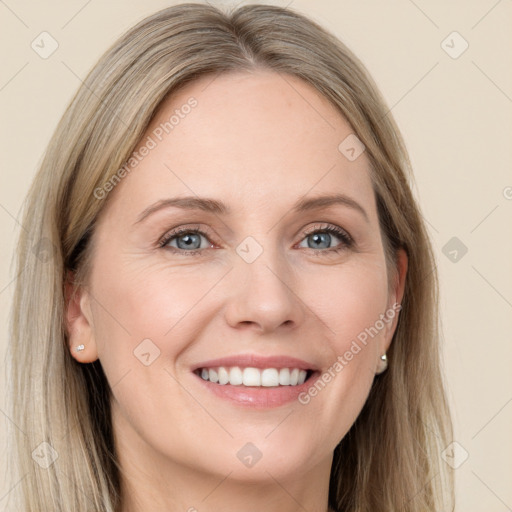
(263, 275)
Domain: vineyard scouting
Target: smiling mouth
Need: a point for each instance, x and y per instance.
(254, 377)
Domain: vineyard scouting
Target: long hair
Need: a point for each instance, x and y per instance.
(63, 453)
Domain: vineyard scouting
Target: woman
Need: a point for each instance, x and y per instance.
(227, 296)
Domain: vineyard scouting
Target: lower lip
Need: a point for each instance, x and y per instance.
(259, 397)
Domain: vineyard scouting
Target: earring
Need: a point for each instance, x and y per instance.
(383, 364)
(79, 348)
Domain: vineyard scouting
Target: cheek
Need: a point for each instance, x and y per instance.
(151, 301)
(350, 300)
(145, 316)
(351, 304)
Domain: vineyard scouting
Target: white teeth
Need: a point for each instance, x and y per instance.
(254, 377)
(235, 376)
(284, 377)
(269, 377)
(223, 376)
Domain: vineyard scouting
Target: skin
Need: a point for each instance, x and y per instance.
(258, 144)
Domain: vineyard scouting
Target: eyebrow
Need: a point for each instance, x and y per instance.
(218, 207)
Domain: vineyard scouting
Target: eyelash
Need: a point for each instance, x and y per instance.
(347, 241)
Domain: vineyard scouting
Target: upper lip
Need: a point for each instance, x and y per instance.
(256, 361)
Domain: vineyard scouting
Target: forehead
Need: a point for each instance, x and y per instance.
(254, 139)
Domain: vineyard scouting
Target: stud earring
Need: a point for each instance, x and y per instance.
(383, 364)
(79, 348)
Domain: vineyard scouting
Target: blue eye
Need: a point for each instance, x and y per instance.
(188, 240)
(322, 236)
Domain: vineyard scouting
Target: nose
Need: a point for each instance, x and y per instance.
(264, 297)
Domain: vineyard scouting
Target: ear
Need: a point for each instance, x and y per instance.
(79, 326)
(396, 294)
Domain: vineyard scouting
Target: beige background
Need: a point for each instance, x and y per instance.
(456, 117)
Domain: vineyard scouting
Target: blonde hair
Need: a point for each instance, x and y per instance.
(391, 457)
